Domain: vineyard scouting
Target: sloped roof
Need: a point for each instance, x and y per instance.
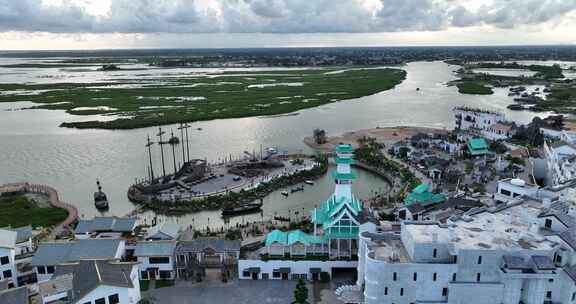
(155, 248)
(14, 295)
(477, 146)
(89, 275)
(276, 236)
(344, 148)
(219, 245)
(421, 195)
(166, 231)
(60, 252)
(105, 224)
(7, 238)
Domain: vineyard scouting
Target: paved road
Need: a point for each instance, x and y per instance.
(237, 292)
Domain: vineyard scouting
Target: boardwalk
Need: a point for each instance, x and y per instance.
(54, 201)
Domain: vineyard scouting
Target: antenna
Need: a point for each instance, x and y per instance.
(173, 143)
(181, 128)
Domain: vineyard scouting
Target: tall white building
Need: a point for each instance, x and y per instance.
(492, 125)
(8, 257)
(521, 252)
(560, 162)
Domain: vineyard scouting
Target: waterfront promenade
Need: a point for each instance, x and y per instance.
(54, 200)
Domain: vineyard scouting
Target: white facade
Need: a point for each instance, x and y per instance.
(8, 257)
(125, 295)
(298, 269)
(512, 189)
(148, 269)
(490, 256)
(561, 164)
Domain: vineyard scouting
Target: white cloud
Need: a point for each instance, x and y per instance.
(274, 16)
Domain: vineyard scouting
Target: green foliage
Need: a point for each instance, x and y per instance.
(468, 167)
(498, 147)
(233, 235)
(144, 285)
(18, 210)
(300, 293)
(231, 95)
(324, 277)
(164, 283)
(476, 88)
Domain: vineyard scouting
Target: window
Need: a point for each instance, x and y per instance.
(4, 260)
(385, 291)
(548, 294)
(558, 259)
(550, 280)
(276, 274)
(394, 277)
(435, 252)
(415, 276)
(7, 274)
(49, 269)
(100, 301)
(573, 296)
(401, 291)
(246, 273)
(434, 276)
(88, 303)
(144, 275)
(444, 292)
(479, 259)
(41, 269)
(113, 299)
(454, 277)
(505, 192)
(159, 260)
(164, 274)
(478, 277)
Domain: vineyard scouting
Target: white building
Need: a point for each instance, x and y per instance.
(512, 189)
(8, 257)
(560, 163)
(156, 259)
(518, 252)
(50, 255)
(94, 282)
(490, 124)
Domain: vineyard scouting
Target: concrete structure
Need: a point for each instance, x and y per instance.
(156, 259)
(166, 232)
(506, 254)
(8, 257)
(49, 255)
(512, 189)
(492, 125)
(289, 270)
(18, 295)
(560, 163)
(104, 227)
(94, 282)
(193, 257)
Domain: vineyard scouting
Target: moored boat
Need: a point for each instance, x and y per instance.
(100, 198)
(242, 209)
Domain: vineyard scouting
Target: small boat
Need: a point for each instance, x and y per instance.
(285, 193)
(199, 129)
(272, 151)
(242, 209)
(309, 182)
(281, 219)
(515, 107)
(174, 140)
(417, 89)
(100, 199)
(297, 189)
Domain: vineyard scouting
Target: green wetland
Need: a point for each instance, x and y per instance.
(141, 98)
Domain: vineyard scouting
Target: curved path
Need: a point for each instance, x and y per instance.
(54, 201)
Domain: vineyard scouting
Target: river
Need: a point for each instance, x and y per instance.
(33, 148)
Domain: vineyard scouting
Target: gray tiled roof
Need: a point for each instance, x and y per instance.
(516, 262)
(14, 296)
(199, 245)
(543, 262)
(23, 233)
(61, 252)
(7, 238)
(88, 275)
(571, 271)
(105, 224)
(155, 248)
(166, 231)
(569, 237)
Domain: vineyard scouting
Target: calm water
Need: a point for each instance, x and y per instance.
(33, 147)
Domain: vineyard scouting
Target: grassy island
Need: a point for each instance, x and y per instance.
(19, 210)
(147, 101)
(476, 88)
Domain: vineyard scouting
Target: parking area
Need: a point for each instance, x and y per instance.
(236, 292)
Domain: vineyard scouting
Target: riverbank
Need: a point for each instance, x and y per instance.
(387, 135)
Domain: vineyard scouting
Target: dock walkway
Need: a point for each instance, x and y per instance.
(54, 201)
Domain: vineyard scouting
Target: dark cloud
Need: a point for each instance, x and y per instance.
(276, 16)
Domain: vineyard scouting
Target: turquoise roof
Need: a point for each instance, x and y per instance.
(338, 175)
(421, 195)
(477, 146)
(343, 148)
(276, 236)
(344, 160)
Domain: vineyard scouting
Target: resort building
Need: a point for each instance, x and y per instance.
(8, 257)
(165, 232)
(334, 239)
(50, 255)
(156, 260)
(511, 189)
(560, 162)
(517, 252)
(477, 147)
(105, 227)
(194, 256)
(94, 282)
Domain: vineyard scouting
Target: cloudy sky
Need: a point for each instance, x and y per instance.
(82, 24)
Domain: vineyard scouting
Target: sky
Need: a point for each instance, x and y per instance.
(111, 24)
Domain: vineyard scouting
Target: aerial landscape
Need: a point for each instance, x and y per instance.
(275, 151)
